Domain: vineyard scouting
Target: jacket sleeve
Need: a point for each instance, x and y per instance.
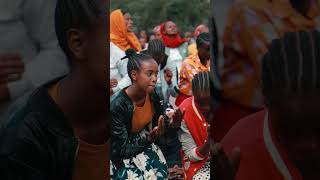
(14, 169)
(122, 147)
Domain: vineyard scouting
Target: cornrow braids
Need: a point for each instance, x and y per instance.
(203, 38)
(156, 47)
(134, 62)
(201, 82)
(292, 63)
(82, 14)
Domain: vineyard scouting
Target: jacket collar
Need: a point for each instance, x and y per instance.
(48, 111)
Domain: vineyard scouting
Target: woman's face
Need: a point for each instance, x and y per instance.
(146, 77)
(170, 28)
(128, 22)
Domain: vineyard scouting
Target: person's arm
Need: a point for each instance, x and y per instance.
(121, 147)
(50, 62)
(188, 145)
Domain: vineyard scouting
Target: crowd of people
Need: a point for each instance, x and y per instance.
(157, 81)
(174, 111)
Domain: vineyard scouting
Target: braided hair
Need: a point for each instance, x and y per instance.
(81, 14)
(292, 63)
(156, 48)
(134, 62)
(201, 82)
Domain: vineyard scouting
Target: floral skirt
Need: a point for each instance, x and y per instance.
(148, 165)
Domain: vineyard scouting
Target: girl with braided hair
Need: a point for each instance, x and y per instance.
(137, 123)
(283, 141)
(194, 132)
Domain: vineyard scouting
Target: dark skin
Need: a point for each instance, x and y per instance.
(83, 93)
(225, 167)
(204, 53)
(128, 22)
(295, 120)
(170, 28)
(301, 6)
(143, 82)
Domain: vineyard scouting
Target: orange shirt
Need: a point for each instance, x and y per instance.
(250, 28)
(92, 162)
(142, 116)
(190, 67)
(192, 49)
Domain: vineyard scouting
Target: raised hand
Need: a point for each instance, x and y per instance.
(225, 168)
(168, 76)
(157, 131)
(177, 118)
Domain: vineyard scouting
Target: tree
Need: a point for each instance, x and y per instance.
(147, 14)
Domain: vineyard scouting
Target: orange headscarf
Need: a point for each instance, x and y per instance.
(119, 34)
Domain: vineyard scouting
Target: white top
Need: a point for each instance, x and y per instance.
(118, 68)
(27, 28)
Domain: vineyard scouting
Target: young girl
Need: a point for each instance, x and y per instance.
(137, 123)
(194, 132)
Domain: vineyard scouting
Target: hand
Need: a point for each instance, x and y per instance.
(176, 173)
(168, 76)
(225, 168)
(157, 131)
(113, 83)
(177, 118)
(11, 68)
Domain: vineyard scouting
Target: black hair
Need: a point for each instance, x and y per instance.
(134, 60)
(203, 38)
(201, 82)
(69, 14)
(156, 47)
(292, 63)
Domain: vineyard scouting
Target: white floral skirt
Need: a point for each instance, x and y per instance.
(148, 165)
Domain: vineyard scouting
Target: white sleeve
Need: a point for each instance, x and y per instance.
(125, 81)
(50, 62)
(122, 67)
(188, 145)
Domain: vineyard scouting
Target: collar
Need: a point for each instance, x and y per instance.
(48, 111)
(278, 153)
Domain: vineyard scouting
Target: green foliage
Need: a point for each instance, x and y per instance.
(146, 14)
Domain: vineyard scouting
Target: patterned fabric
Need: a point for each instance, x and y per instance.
(249, 31)
(203, 173)
(148, 165)
(190, 67)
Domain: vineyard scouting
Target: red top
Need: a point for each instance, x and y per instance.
(259, 150)
(197, 126)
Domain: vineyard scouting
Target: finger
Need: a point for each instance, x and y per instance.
(161, 124)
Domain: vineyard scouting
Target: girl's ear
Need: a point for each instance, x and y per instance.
(134, 74)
